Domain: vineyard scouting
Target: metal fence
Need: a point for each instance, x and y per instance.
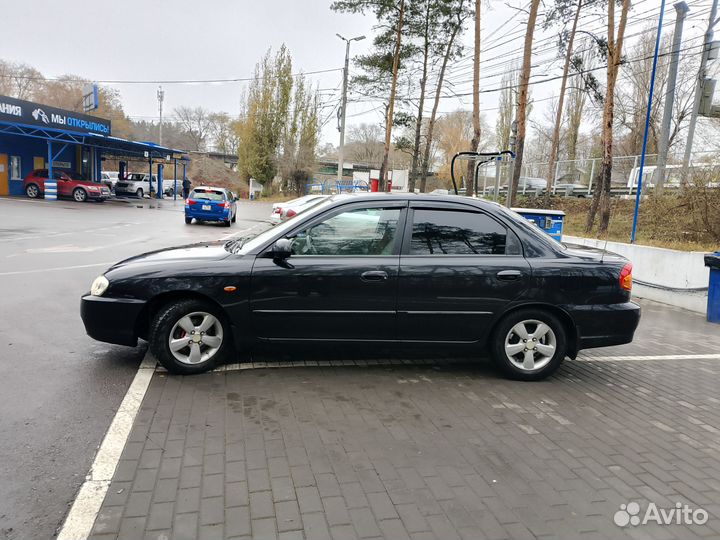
(583, 173)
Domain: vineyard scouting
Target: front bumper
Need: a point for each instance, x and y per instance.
(102, 194)
(113, 320)
(603, 325)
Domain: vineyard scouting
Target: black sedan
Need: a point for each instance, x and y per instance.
(372, 268)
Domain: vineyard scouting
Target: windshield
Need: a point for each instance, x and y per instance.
(252, 242)
(207, 195)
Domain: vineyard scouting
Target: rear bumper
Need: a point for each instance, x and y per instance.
(208, 216)
(112, 320)
(605, 325)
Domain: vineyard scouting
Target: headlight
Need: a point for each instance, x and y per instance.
(93, 188)
(99, 286)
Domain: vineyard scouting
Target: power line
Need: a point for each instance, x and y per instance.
(166, 81)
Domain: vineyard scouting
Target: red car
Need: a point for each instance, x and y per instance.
(79, 190)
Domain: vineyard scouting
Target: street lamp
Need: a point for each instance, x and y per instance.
(343, 104)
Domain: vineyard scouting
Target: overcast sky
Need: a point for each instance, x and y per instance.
(220, 39)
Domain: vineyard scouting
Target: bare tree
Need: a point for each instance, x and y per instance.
(561, 101)
(365, 144)
(601, 197)
(453, 27)
(521, 116)
(476, 101)
(197, 123)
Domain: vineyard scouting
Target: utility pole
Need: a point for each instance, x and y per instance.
(702, 74)
(160, 98)
(681, 9)
(343, 104)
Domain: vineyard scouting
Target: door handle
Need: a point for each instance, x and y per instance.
(509, 275)
(374, 275)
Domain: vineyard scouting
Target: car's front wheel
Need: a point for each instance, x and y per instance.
(190, 336)
(139, 193)
(529, 344)
(32, 191)
(79, 194)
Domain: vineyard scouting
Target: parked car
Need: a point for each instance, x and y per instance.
(289, 212)
(277, 208)
(110, 178)
(138, 184)
(439, 271)
(574, 190)
(207, 203)
(79, 190)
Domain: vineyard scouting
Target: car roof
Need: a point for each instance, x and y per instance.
(211, 188)
(429, 197)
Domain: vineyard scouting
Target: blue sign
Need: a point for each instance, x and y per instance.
(18, 111)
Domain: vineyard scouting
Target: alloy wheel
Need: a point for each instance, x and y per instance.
(530, 345)
(32, 191)
(196, 338)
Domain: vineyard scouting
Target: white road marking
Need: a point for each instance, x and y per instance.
(84, 511)
(651, 357)
(58, 268)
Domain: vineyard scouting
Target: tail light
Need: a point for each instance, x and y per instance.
(626, 277)
(225, 204)
(189, 202)
(291, 213)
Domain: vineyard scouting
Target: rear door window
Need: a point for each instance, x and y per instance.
(207, 195)
(457, 232)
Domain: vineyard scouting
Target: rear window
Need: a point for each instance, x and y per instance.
(207, 195)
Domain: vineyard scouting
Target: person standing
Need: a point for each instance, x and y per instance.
(186, 184)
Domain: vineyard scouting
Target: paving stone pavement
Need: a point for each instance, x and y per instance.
(426, 449)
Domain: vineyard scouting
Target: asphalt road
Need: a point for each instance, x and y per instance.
(59, 389)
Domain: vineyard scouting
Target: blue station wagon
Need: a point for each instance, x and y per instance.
(211, 204)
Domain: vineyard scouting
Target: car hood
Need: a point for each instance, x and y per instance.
(592, 253)
(204, 252)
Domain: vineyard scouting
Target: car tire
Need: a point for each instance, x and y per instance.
(544, 354)
(33, 191)
(234, 218)
(227, 223)
(139, 193)
(188, 220)
(79, 195)
(171, 325)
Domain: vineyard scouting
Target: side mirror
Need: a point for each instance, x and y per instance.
(282, 249)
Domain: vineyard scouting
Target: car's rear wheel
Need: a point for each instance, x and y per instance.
(32, 191)
(188, 220)
(79, 195)
(139, 193)
(529, 344)
(190, 336)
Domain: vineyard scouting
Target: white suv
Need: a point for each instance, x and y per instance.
(137, 184)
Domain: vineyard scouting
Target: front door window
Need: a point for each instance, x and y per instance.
(366, 231)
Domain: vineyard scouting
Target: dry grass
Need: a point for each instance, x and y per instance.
(688, 222)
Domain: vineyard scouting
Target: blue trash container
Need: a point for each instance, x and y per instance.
(712, 261)
(549, 221)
